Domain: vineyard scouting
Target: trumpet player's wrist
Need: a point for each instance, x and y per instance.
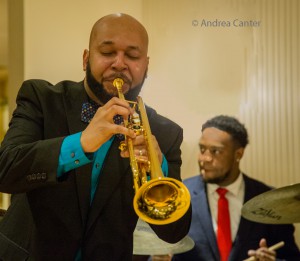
(72, 155)
(85, 143)
(90, 144)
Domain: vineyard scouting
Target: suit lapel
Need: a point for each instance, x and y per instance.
(203, 213)
(74, 97)
(113, 170)
(245, 227)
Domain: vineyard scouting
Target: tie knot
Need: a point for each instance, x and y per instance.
(222, 191)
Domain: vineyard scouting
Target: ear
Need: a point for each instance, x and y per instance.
(239, 154)
(85, 59)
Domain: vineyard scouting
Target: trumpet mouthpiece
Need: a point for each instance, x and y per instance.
(118, 83)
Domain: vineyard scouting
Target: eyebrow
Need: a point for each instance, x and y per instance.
(212, 146)
(108, 42)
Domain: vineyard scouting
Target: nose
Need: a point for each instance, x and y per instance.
(119, 63)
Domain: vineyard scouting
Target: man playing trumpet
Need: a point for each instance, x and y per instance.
(72, 187)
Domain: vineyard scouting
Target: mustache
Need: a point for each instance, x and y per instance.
(113, 76)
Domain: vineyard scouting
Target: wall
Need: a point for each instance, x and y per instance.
(198, 70)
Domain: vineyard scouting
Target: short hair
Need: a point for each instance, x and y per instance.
(230, 125)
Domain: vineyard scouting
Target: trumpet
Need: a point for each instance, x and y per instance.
(158, 200)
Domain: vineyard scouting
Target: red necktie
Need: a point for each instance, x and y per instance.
(223, 230)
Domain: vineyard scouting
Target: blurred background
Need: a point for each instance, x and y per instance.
(207, 57)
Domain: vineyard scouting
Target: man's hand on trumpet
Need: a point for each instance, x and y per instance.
(140, 149)
(102, 127)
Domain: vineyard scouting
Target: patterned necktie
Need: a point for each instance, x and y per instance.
(118, 119)
(223, 230)
(88, 111)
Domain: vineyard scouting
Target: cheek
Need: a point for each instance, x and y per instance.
(99, 66)
(139, 68)
(224, 165)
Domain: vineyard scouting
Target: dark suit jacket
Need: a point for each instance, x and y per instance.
(248, 235)
(50, 219)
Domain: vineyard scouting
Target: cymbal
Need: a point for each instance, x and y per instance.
(146, 242)
(277, 206)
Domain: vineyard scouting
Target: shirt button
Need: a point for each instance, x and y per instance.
(76, 162)
(72, 154)
(97, 165)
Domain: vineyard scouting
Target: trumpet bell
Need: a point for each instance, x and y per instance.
(161, 201)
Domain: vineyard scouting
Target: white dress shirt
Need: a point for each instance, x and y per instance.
(235, 197)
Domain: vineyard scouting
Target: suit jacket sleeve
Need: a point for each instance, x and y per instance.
(28, 160)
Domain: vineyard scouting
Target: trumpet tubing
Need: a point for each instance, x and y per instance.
(160, 200)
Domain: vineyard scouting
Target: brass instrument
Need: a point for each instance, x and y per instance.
(159, 200)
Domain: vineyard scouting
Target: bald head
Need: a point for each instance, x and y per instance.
(118, 24)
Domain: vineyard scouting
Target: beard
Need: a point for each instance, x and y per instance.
(214, 179)
(99, 91)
